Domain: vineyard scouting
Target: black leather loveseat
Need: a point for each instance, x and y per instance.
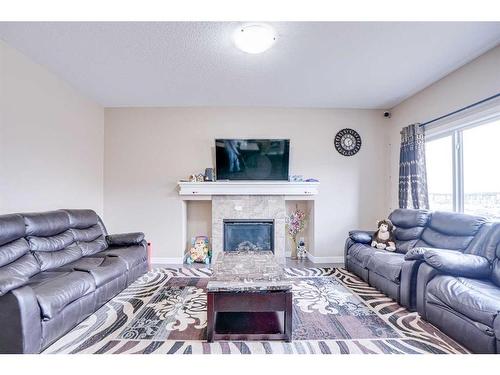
(395, 273)
(57, 268)
(460, 293)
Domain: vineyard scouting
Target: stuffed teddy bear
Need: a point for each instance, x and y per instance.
(383, 238)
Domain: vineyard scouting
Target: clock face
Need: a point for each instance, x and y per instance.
(347, 142)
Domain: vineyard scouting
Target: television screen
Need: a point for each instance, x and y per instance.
(252, 159)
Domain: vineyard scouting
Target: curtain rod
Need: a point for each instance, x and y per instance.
(461, 109)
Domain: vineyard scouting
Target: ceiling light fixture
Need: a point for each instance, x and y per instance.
(254, 38)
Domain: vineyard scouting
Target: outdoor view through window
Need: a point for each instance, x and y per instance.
(481, 171)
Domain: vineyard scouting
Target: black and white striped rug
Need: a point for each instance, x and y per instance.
(335, 312)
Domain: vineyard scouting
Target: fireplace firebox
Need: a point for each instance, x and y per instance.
(255, 235)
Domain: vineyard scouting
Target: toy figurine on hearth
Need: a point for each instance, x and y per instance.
(301, 249)
(199, 251)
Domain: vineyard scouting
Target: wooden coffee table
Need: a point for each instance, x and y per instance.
(249, 298)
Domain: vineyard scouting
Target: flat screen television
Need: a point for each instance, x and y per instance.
(252, 159)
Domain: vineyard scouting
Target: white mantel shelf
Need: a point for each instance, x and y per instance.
(205, 190)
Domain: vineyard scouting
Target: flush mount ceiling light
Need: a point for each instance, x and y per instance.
(254, 38)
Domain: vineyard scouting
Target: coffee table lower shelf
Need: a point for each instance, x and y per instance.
(246, 316)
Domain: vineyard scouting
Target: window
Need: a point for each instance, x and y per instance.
(438, 156)
(463, 170)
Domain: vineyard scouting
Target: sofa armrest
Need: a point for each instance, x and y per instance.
(457, 264)
(408, 284)
(125, 239)
(11, 282)
(361, 236)
(417, 253)
(425, 274)
(20, 322)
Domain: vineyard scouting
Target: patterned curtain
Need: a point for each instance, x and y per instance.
(412, 172)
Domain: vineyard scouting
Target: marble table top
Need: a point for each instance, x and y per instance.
(247, 271)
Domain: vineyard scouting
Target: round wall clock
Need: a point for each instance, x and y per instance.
(347, 142)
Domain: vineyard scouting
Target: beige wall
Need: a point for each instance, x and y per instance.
(472, 82)
(147, 150)
(51, 140)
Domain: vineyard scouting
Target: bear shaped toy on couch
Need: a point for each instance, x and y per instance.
(383, 238)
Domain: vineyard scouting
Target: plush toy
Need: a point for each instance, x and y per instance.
(199, 252)
(383, 238)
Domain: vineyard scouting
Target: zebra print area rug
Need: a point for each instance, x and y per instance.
(335, 312)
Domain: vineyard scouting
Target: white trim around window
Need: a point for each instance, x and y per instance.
(455, 129)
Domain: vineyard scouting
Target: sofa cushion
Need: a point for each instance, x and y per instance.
(361, 252)
(433, 238)
(408, 234)
(93, 247)
(11, 228)
(406, 218)
(51, 243)
(409, 225)
(43, 224)
(386, 264)
(87, 230)
(81, 219)
(456, 224)
(12, 251)
(17, 273)
(132, 255)
(493, 246)
(54, 294)
(87, 234)
(479, 300)
(102, 270)
(49, 260)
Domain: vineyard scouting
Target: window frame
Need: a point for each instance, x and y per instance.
(455, 129)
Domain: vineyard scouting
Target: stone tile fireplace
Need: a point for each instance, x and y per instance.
(237, 213)
(247, 234)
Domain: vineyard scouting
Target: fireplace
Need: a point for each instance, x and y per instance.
(256, 235)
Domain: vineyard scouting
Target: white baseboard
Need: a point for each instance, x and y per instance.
(336, 259)
(176, 260)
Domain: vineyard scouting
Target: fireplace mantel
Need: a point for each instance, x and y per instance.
(205, 190)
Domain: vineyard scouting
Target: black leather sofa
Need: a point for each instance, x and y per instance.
(395, 273)
(447, 266)
(57, 268)
(460, 293)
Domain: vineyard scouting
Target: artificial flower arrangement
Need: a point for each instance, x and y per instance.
(295, 222)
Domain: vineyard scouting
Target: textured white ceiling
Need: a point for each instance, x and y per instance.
(326, 64)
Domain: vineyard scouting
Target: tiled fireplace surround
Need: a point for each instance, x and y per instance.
(254, 207)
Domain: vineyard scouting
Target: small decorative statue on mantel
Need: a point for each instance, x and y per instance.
(383, 238)
(295, 222)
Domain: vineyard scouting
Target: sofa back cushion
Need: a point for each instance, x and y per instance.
(12, 244)
(17, 265)
(50, 239)
(409, 225)
(87, 230)
(451, 230)
(493, 244)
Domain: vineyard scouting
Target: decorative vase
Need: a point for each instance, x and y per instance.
(294, 247)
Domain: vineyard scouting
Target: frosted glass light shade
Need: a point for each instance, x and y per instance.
(254, 38)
